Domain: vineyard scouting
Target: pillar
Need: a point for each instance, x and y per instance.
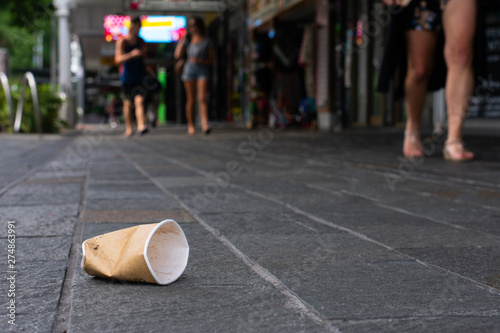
(65, 86)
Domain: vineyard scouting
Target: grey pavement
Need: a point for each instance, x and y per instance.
(289, 231)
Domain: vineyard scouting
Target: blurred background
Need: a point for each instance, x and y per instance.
(311, 64)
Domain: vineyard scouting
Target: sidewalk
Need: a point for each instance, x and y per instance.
(289, 231)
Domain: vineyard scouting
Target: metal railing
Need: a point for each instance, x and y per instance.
(28, 78)
(8, 96)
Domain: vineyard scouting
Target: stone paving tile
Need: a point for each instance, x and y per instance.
(373, 220)
(359, 285)
(294, 161)
(473, 217)
(40, 248)
(427, 205)
(210, 309)
(114, 172)
(116, 177)
(138, 216)
(31, 322)
(124, 192)
(152, 160)
(60, 166)
(38, 288)
(53, 181)
(202, 199)
(283, 223)
(58, 175)
(138, 203)
(216, 292)
(180, 181)
(158, 171)
(345, 278)
(44, 220)
(450, 324)
(364, 183)
(479, 263)
(23, 159)
(41, 194)
(104, 182)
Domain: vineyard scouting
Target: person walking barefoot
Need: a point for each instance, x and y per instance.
(195, 75)
(130, 53)
(458, 20)
(422, 21)
(459, 23)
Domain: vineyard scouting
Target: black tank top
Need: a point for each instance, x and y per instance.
(133, 70)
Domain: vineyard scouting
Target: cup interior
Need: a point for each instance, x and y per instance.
(167, 252)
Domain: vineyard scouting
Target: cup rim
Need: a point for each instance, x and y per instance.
(146, 245)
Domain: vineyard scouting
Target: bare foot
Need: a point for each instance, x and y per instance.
(412, 147)
(456, 152)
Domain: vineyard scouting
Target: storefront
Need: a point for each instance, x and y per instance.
(228, 33)
(486, 100)
(292, 63)
(284, 63)
(365, 40)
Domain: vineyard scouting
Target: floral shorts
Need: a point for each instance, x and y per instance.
(424, 14)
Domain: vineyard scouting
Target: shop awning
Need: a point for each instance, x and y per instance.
(179, 5)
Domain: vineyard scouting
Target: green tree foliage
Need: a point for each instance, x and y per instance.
(27, 12)
(20, 22)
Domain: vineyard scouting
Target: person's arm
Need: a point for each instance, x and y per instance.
(121, 56)
(179, 50)
(144, 49)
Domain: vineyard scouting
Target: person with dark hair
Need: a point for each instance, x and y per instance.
(200, 56)
(422, 21)
(130, 53)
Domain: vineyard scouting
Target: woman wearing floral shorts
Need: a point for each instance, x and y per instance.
(425, 18)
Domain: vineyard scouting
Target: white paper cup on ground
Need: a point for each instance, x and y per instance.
(152, 253)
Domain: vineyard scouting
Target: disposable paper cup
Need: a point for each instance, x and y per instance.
(153, 253)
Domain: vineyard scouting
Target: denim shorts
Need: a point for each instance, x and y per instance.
(195, 72)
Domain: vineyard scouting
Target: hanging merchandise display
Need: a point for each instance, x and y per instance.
(306, 58)
(285, 81)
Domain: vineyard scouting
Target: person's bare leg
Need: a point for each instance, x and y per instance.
(127, 114)
(190, 98)
(139, 112)
(202, 87)
(421, 47)
(459, 21)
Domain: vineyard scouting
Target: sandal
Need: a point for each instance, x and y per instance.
(459, 155)
(414, 139)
